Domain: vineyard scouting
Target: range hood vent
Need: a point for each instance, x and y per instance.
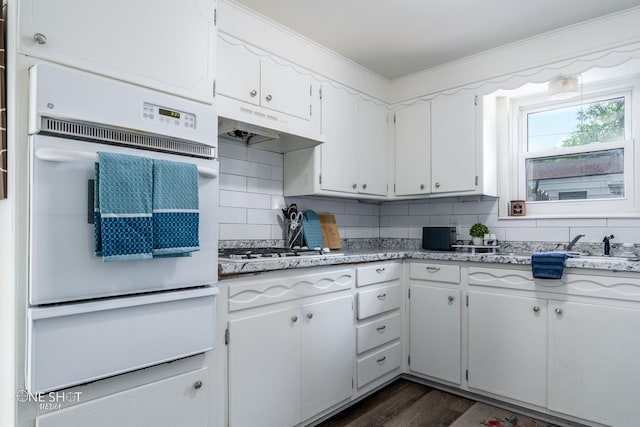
(261, 137)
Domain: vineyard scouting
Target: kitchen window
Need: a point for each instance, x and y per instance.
(573, 157)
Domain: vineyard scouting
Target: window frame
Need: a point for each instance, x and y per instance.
(517, 148)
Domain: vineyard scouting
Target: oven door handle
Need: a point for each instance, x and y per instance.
(60, 155)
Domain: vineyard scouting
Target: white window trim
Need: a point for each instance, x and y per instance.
(513, 148)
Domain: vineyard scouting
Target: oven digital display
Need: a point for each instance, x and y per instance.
(165, 112)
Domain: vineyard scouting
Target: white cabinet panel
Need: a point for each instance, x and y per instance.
(378, 332)
(177, 401)
(156, 43)
(413, 156)
(328, 342)
(340, 151)
(435, 272)
(379, 363)
(593, 359)
(435, 332)
(453, 143)
(238, 74)
(508, 346)
(379, 300)
(264, 369)
(285, 89)
(372, 152)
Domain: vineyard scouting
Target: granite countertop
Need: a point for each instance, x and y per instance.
(228, 269)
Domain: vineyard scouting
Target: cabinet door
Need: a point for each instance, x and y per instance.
(238, 73)
(435, 332)
(177, 401)
(285, 89)
(593, 362)
(453, 143)
(328, 352)
(156, 43)
(413, 141)
(508, 346)
(264, 370)
(372, 155)
(340, 151)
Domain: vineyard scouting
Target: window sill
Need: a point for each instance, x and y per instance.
(570, 216)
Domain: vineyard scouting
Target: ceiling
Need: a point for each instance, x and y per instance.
(414, 35)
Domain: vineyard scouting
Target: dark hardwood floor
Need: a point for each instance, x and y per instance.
(403, 404)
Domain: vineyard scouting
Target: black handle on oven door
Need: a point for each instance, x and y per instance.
(90, 200)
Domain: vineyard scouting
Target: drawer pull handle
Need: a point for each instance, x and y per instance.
(197, 385)
(380, 270)
(381, 328)
(309, 315)
(382, 296)
(450, 298)
(433, 269)
(381, 360)
(294, 319)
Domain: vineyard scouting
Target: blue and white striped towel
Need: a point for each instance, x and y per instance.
(175, 208)
(123, 207)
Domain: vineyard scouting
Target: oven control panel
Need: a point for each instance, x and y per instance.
(168, 116)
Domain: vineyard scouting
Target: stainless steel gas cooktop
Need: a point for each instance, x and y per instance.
(251, 254)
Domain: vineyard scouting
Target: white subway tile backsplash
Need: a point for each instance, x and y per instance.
(483, 207)
(361, 232)
(623, 222)
(369, 221)
(245, 232)
(361, 208)
(233, 182)
(552, 234)
(573, 222)
(264, 186)
(414, 232)
(347, 220)
(277, 174)
(266, 157)
(236, 199)
(394, 208)
(245, 168)
(227, 215)
(232, 150)
(394, 232)
(264, 216)
(431, 209)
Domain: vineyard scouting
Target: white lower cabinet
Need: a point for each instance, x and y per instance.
(508, 346)
(434, 321)
(181, 400)
(593, 362)
(291, 361)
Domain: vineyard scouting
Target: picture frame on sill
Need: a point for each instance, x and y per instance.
(517, 208)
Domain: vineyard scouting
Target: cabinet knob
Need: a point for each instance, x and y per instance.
(309, 315)
(382, 296)
(422, 186)
(40, 38)
(536, 309)
(381, 328)
(197, 385)
(380, 270)
(253, 93)
(437, 185)
(558, 311)
(294, 319)
(364, 186)
(268, 98)
(450, 298)
(354, 185)
(381, 360)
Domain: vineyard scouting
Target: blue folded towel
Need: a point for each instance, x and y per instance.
(548, 265)
(123, 207)
(175, 208)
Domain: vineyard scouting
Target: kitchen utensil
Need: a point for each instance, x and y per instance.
(330, 234)
(311, 229)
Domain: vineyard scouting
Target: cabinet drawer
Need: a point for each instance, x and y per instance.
(435, 272)
(378, 273)
(378, 300)
(378, 364)
(376, 333)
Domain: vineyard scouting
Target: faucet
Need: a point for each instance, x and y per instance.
(607, 245)
(573, 242)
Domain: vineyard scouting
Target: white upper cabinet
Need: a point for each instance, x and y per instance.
(372, 148)
(339, 152)
(259, 81)
(352, 162)
(160, 44)
(413, 142)
(453, 144)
